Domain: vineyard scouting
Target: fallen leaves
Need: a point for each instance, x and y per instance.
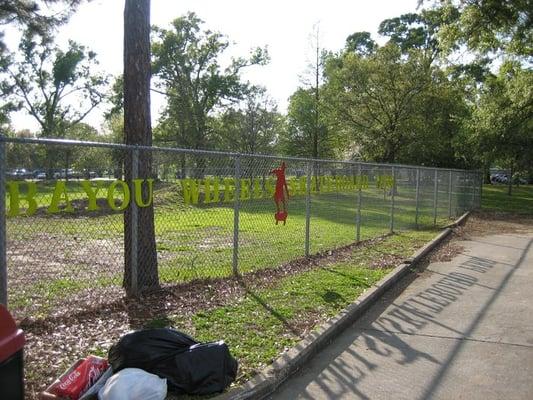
(98, 317)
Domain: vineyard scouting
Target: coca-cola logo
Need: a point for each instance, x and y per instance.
(94, 373)
(70, 379)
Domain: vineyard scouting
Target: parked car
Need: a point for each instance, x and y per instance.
(39, 174)
(67, 173)
(504, 179)
(61, 174)
(86, 174)
(19, 173)
(499, 178)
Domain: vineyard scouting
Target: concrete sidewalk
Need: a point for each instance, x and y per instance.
(461, 330)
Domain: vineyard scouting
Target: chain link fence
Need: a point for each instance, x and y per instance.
(76, 215)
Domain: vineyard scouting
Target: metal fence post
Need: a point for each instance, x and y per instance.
(473, 188)
(236, 208)
(463, 194)
(3, 257)
(359, 195)
(435, 196)
(308, 207)
(417, 195)
(134, 227)
(480, 197)
(393, 191)
(450, 187)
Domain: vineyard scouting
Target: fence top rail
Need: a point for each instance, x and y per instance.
(121, 146)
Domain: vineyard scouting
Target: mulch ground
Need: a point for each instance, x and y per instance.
(75, 330)
(480, 224)
(92, 322)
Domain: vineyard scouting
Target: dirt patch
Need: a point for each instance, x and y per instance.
(480, 223)
(483, 223)
(90, 321)
(43, 255)
(446, 251)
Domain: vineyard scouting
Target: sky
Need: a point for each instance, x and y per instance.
(284, 26)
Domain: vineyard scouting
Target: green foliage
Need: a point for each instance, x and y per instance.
(45, 80)
(309, 130)
(436, 122)
(408, 31)
(374, 98)
(252, 127)
(418, 31)
(500, 130)
(361, 43)
(86, 159)
(188, 68)
(28, 15)
(489, 26)
(307, 133)
(116, 99)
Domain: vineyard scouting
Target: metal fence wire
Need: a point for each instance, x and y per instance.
(64, 205)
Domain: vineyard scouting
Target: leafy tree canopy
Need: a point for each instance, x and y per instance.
(500, 131)
(186, 62)
(46, 79)
(374, 98)
(361, 43)
(488, 25)
(29, 15)
(304, 135)
(252, 126)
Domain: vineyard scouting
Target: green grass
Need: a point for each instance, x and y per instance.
(495, 198)
(197, 241)
(48, 292)
(262, 324)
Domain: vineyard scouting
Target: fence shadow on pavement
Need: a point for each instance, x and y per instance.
(380, 333)
(383, 333)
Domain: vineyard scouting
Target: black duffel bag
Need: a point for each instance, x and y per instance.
(189, 367)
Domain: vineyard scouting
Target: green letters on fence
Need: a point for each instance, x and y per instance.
(195, 191)
(111, 197)
(60, 191)
(14, 198)
(91, 194)
(138, 192)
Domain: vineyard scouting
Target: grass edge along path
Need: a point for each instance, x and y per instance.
(260, 317)
(268, 321)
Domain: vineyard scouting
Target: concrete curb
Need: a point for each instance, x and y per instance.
(459, 221)
(274, 375)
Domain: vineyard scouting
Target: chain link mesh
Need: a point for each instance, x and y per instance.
(75, 223)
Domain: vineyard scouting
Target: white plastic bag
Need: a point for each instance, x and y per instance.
(134, 384)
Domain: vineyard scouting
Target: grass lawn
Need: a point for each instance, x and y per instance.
(265, 322)
(269, 313)
(51, 256)
(495, 198)
(273, 309)
(56, 260)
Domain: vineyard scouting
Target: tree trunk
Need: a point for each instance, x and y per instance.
(138, 131)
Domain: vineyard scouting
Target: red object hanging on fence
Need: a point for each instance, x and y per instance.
(281, 194)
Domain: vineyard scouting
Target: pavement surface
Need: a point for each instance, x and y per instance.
(460, 330)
